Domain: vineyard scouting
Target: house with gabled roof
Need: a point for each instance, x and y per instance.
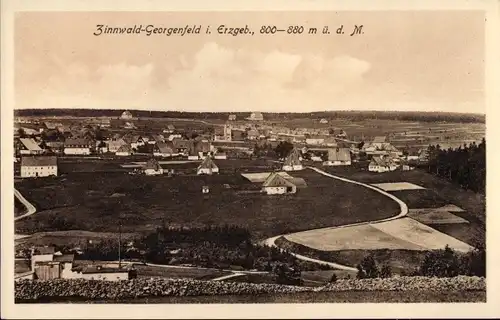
(124, 151)
(382, 164)
(115, 145)
(277, 184)
(152, 168)
(164, 149)
(78, 146)
(199, 149)
(338, 157)
(292, 161)
(28, 146)
(207, 166)
(39, 166)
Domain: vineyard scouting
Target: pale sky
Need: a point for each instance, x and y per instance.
(413, 61)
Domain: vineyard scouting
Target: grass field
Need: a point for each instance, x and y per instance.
(400, 261)
(83, 201)
(19, 208)
(308, 297)
(399, 234)
(70, 238)
(438, 193)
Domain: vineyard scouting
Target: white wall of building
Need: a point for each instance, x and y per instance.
(38, 171)
(79, 151)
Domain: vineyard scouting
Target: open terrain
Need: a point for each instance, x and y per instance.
(437, 194)
(96, 201)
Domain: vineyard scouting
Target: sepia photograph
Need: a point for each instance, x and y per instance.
(251, 157)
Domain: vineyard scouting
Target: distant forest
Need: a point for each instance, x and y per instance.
(347, 115)
(465, 166)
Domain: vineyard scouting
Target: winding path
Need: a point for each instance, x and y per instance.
(30, 209)
(271, 242)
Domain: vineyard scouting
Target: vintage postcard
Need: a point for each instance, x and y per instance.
(248, 160)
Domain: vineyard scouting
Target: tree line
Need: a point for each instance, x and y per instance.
(464, 166)
(437, 263)
(346, 115)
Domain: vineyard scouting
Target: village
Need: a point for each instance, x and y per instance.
(40, 146)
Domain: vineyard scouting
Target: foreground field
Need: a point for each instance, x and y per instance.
(96, 202)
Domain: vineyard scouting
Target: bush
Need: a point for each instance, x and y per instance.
(367, 268)
(448, 263)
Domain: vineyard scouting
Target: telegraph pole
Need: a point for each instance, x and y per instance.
(120, 244)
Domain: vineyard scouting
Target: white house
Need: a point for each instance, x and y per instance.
(276, 184)
(323, 121)
(77, 147)
(256, 116)
(232, 117)
(115, 145)
(315, 141)
(152, 168)
(207, 167)
(338, 157)
(40, 166)
(124, 151)
(382, 164)
(292, 162)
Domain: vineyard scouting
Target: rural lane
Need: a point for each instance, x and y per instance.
(271, 242)
(30, 209)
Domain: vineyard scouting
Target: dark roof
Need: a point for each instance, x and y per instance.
(44, 250)
(77, 142)
(38, 161)
(276, 180)
(339, 154)
(165, 147)
(65, 258)
(207, 164)
(152, 164)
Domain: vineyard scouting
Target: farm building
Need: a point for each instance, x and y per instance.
(220, 156)
(126, 115)
(256, 116)
(129, 125)
(330, 142)
(28, 146)
(253, 134)
(77, 147)
(52, 125)
(155, 138)
(292, 162)
(223, 133)
(207, 167)
(199, 150)
(41, 166)
(152, 168)
(164, 149)
(338, 157)
(382, 164)
(124, 151)
(323, 121)
(238, 134)
(115, 145)
(55, 146)
(29, 275)
(276, 184)
(182, 146)
(169, 129)
(315, 141)
(232, 117)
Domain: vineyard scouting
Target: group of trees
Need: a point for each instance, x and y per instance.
(465, 166)
(436, 263)
(211, 247)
